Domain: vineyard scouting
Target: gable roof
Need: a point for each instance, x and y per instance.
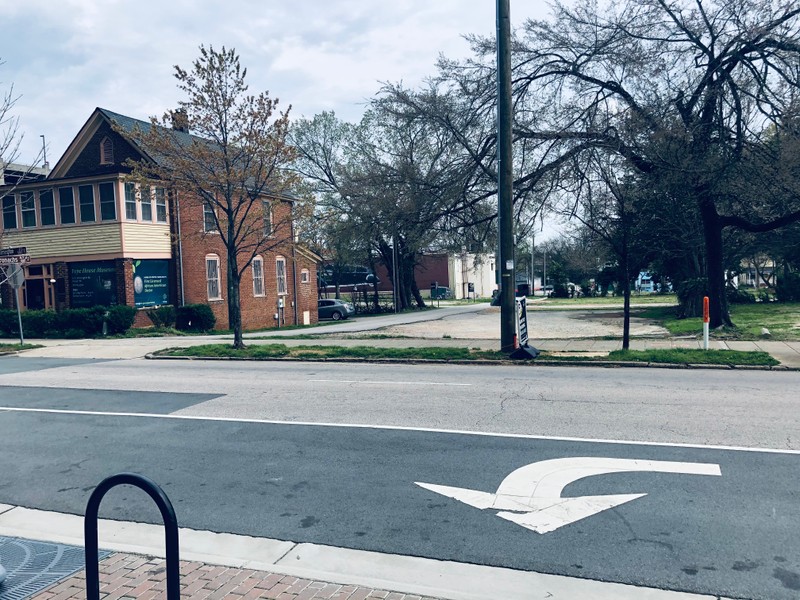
(125, 125)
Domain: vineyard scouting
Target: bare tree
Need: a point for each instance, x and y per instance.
(229, 168)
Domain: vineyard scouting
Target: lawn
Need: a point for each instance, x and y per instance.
(781, 319)
(16, 347)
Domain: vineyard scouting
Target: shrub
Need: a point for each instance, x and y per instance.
(8, 323)
(195, 317)
(120, 318)
(162, 316)
(560, 291)
(737, 296)
(89, 321)
(788, 288)
(690, 297)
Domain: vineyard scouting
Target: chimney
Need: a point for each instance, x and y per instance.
(180, 120)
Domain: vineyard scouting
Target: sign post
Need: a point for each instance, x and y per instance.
(16, 277)
(706, 319)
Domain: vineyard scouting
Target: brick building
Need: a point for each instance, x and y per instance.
(95, 238)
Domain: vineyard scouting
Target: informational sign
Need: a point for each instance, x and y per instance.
(92, 284)
(522, 321)
(15, 259)
(151, 283)
(13, 251)
(531, 495)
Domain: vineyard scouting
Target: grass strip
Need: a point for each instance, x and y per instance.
(260, 351)
(17, 347)
(266, 351)
(695, 356)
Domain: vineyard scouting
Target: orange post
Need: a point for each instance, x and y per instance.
(706, 320)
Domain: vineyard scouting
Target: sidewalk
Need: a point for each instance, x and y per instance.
(234, 567)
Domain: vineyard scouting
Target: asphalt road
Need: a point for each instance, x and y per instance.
(735, 534)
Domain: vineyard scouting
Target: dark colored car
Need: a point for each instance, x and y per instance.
(334, 309)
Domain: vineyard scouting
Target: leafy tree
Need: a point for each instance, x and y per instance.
(233, 162)
(681, 90)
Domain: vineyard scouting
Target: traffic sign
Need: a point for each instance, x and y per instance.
(15, 259)
(16, 276)
(13, 251)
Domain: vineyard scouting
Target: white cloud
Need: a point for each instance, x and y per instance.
(67, 57)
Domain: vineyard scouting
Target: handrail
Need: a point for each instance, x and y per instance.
(170, 532)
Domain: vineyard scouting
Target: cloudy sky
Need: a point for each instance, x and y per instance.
(66, 57)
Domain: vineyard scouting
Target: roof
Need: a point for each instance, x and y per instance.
(128, 125)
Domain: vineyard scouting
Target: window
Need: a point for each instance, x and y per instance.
(10, 212)
(47, 207)
(305, 277)
(27, 206)
(147, 202)
(209, 218)
(108, 201)
(258, 276)
(66, 205)
(86, 199)
(267, 206)
(106, 151)
(280, 274)
(212, 277)
(130, 201)
(161, 205)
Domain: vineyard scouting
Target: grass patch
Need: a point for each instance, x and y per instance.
(781, 319)
(17, 347)
(695, 356)
(270, 351)
(264, 351)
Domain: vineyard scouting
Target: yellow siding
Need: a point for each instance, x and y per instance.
(145, 238)
(67, 241)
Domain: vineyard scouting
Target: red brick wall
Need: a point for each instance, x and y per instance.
(257, 312)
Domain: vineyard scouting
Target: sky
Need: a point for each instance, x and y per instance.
(66, 57)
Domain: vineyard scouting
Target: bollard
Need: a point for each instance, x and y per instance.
(706, 320)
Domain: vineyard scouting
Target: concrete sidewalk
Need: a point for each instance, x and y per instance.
(227, 567)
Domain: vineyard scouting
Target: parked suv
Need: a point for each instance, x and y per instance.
(334, 309)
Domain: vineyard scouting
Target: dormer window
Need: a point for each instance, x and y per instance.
(106, 151)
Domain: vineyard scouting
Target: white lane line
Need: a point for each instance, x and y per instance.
(523, 436)
(388, 382)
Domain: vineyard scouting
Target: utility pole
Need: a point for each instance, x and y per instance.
(505, 174)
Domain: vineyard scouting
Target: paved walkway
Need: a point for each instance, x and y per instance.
(128, 576)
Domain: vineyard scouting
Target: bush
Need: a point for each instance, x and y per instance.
(120, 318)
(195, 317)
(690, 297)
(560, 291)
(69, 323)
(788, 288)
(737, 296)
(162, 316)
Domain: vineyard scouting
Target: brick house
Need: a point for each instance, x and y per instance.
(96, 239)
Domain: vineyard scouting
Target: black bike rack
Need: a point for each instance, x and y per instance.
(170, 531)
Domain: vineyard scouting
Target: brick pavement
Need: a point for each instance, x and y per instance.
(132, 577)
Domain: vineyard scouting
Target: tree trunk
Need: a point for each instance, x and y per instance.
(234, 304)
(718, 300)
(626, 304)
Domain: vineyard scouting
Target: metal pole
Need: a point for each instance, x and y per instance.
(17, 292)
(505, 179)
(395, 295)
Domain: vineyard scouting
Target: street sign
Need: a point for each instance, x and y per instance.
(16, 276)
(531, 495)
(15, 259)
(13, 251)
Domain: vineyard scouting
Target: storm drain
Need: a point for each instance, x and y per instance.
(34, 566)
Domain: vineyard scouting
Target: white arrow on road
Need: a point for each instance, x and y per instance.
(531, 495)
